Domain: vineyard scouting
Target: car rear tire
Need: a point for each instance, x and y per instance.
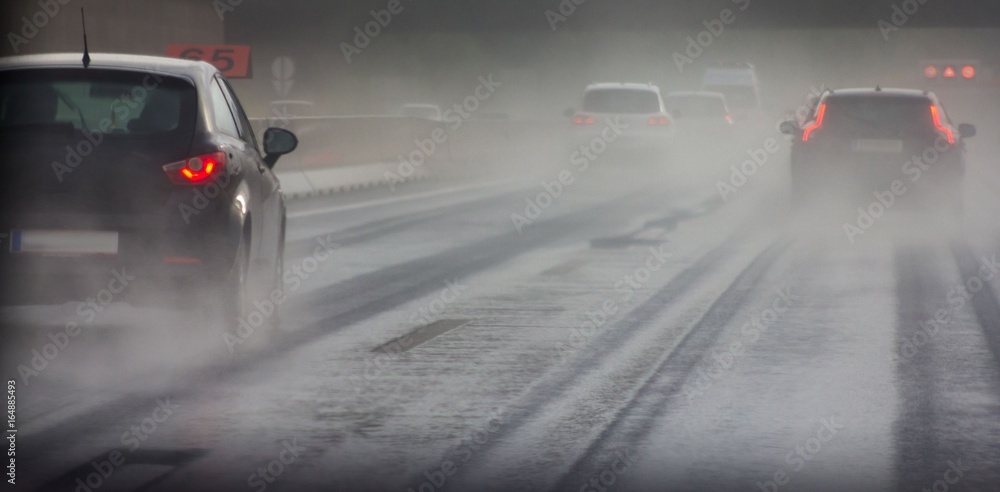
(247, 329)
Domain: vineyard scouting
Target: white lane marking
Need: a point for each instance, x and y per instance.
(387, 201)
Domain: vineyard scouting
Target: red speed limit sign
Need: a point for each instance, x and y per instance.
(233, 61)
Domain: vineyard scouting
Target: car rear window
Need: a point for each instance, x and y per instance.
(112, 102)
(880, 117)
(621, 101)
(695, 106)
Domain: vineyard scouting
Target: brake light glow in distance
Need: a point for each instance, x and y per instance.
(941, 128)
(968, 71)
(196, 170)
(581, 119)
(820, 113)
(658, 120)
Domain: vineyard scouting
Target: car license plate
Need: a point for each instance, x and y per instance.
(880, 145)
(64, 242)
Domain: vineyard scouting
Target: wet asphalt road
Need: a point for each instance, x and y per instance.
(638, 333)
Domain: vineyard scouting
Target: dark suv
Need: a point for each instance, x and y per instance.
(869, 141)
(131, 178)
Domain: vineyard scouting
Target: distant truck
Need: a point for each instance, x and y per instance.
(738, 83)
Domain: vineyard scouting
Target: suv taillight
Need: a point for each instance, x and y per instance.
(582, 119)
(658, 121)
(815, 125)
(941, 129)
(196, 170)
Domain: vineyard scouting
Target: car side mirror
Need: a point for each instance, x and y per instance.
(569, 112)
(278, 142)
(788, 127)
(966, 130)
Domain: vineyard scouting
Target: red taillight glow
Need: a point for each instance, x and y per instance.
(949, 72)
(968, 71)
(196, 170)
(582, 119)
(729, 119)
(820, 113)
(945, 131)
(658, 120)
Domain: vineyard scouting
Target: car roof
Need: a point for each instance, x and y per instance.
(174, 66)
(880, 92)
(623, 85)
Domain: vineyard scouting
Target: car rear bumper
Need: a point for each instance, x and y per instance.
(153, 256)
(52, 280)
(902, 180)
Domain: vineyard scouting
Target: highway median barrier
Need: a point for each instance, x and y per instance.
(340, 153)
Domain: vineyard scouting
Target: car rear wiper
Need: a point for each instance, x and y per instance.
(72, 105)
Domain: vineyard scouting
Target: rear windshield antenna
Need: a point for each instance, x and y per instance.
(86, 52)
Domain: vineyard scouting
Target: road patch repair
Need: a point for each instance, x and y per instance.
(421, 335)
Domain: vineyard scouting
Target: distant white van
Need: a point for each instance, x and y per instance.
(738, 83)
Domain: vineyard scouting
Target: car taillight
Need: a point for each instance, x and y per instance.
(658, 120)
(815, 125)
(943, 130)
(729, 119)
(582, 119)
(196, 170)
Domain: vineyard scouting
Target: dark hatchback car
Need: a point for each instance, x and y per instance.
(869, 142)
(132, 178)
